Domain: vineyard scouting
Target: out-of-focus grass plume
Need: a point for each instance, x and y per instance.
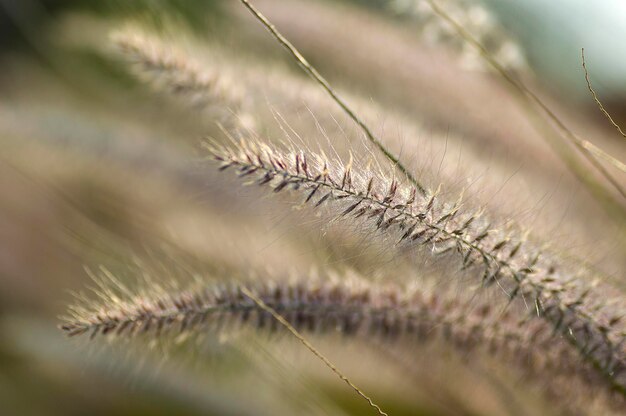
(497, 290)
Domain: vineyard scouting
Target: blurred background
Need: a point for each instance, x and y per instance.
(99, 170)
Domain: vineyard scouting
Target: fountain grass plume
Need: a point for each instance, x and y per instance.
(346, 305)
(477, 19)
(215, 92)
(554, 291)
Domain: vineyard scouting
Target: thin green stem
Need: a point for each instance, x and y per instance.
(310, 347)
(316, 76)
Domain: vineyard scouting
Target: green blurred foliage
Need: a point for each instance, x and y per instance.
(22, 21)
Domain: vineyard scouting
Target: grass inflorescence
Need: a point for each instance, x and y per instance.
(167, 69)
(523, 307)
(349, 306)
(520, 268)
